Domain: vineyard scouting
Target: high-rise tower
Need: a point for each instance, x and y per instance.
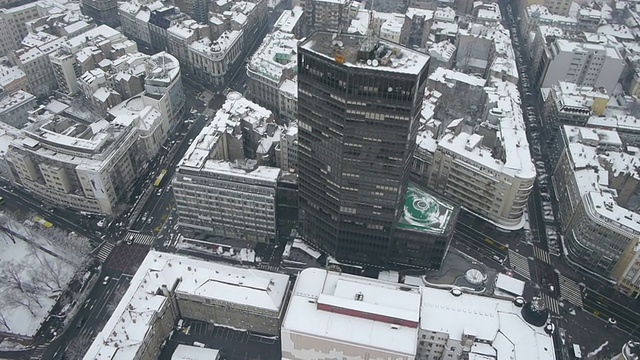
(359, 103)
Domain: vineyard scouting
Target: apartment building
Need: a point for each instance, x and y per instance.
(593, 181)
(273, 62)
(287, 149)
(167, 287)
(288, 100)
(13, 26)
(181, 35)
(36, 65)
(327, 15)
(290, 21)
(15, 107)
(417, 26)
(569, 104)
(80, 166)
(134, 17)
(213, 61)
(220, 187)
(66, 70)
(12, 78)
(581, 63)
(490, 172)
(159, 21)
(558, 7)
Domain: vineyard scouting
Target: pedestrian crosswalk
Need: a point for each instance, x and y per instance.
(105, 250)
(267, 267)
(519, 264)
(569, 290)
(38, 353)
(552, 304)
(541, 255)
(139, 238)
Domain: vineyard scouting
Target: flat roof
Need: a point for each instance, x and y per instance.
(425, 212)
(496, 321)
(356, 310)
(125, 331)
(404, 61)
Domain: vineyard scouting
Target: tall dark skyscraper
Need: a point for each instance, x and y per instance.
(359, 103)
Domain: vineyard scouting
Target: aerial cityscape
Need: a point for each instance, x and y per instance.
(320, 179)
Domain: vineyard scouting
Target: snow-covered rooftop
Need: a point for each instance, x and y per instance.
(289, 19)
(9, 74)
(412, 12)
(571, 96)
(397, 59)
(227, 119)
(447, 76)
(278, 52)
(356, 310)
(495, 321)
(289, 88)
(14, 100)
(216, 49)
(125, 332)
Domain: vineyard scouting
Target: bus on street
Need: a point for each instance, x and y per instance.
(158, 182)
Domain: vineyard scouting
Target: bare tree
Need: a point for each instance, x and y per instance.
(13, 275)
(4, 322)
(49, 271)
(73, 248)
(16, 298)
(4, 222)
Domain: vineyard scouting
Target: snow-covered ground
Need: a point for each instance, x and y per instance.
(35, 265)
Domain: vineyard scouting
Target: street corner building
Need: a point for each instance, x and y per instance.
(359, 103)
(331, 315)
(168, 287)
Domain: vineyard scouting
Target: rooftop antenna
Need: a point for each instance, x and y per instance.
(369, 41)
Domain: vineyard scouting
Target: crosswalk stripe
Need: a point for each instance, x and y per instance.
(105, 250)
(569, 290)
(271, 268)
(552, 304)
(139, 238)
(541, 255)
(519, 264)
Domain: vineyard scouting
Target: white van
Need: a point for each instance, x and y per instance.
(179, 326)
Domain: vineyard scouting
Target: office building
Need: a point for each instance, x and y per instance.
(273, 62)
(221, 188)
(593, 181)
(581, 63)
(13, 26)
(159, 21)
(15, 108)
(332, 314)
(354, 158)
(163, 86)
(102, 11)
(167, 287)
(80, 166)
(181, 35)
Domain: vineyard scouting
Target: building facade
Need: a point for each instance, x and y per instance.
(15, 108)
(353, 160)
(102, 11)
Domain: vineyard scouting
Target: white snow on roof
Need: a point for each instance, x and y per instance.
(216, 49)
(412, 12)
(9, 74)
(498, 322)
(277, 53)
(125, 331)
(321, 298)
(289, 88)
(445, 14)
(401, 60)
(571, 96)
(619, 31)
(188, 352)
(442, 51)
(510, 284)
(542, 14)
(620, 122)
(289, 19)
(14, 100)
(445, 75)
(102, 94)
(227, 120)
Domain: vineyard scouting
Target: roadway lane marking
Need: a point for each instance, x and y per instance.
(541, 255)
(569, 290)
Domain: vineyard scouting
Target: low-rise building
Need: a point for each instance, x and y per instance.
(274, 62)
(167, 287)
(332, 313)
(15, 108)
